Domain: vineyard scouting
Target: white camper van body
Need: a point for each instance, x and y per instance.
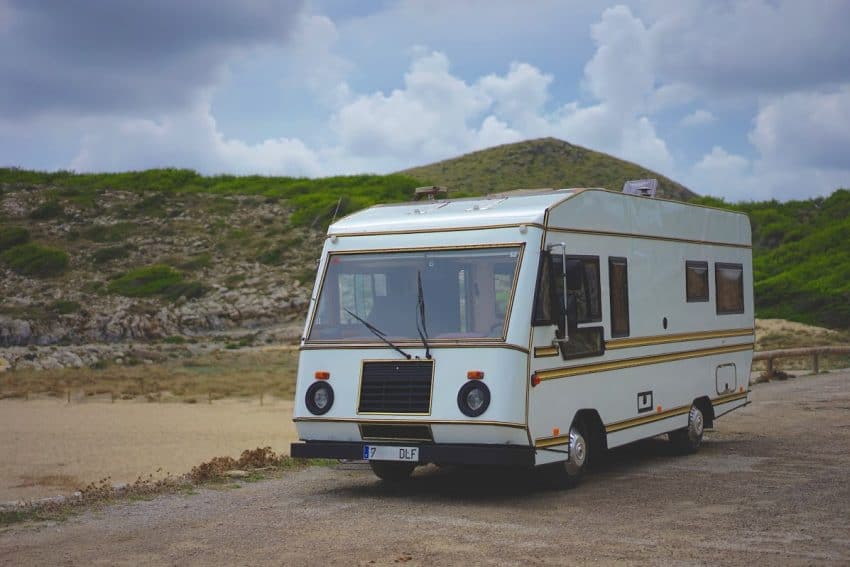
(664, 324)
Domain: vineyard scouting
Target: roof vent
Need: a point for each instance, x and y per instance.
(641, 187)
(430, 192)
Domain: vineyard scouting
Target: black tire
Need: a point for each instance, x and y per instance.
(389, 471)
(687, 441)
(568, 474)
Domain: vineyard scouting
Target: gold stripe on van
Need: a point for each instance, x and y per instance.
(675, 338)
(361, 421)
(638, 361)
(551, 441)
(644, 419)
(541, 352)
(729, 398)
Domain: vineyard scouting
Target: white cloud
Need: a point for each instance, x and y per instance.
(699, 117)
(187, 140)
(805, 128)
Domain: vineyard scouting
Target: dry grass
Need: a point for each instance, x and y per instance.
(225, 374)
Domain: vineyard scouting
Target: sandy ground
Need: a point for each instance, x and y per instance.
(769, 487)
(49, 447)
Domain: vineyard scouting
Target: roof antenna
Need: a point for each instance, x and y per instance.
(641, 187)
(430, 192)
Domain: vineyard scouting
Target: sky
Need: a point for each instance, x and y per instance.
(745, 100)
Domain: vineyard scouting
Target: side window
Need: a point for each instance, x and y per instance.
(618, 281)
(696, 281)
(583, 285)
(729, 286)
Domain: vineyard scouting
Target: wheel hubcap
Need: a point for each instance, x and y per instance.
(578, 453)
(695, 424)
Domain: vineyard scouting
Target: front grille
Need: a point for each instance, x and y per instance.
(396, 387)
(383, 432)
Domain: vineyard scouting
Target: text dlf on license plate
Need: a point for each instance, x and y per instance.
(385, 453)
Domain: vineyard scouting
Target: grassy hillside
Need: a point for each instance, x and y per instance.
(801, 258)
(547, 162)
(313, 201)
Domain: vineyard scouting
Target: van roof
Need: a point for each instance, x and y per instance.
(576, 209)
(522, 206)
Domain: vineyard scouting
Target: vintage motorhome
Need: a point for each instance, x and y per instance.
(529, 328)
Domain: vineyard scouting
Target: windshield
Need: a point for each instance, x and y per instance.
(467, 294)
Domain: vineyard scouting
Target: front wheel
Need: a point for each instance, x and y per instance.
(567, 474)
(392, 472)
(688, 440)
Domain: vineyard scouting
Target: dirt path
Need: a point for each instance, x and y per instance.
(770, 486)
(49, 447)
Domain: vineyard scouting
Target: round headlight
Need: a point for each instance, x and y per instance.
(473, 398)
(319, 398)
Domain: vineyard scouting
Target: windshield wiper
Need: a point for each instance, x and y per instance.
(422, 330)
(378, 333)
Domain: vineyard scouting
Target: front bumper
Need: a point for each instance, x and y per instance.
(437, 453)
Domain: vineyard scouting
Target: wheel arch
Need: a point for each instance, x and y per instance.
(705, 406)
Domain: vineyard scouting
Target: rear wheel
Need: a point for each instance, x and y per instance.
(391, 471)
(688, 440)
(567, 474)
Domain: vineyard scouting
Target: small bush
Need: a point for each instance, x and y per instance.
(47, 210)
(189, 290)
(110, 232)
(13, 236)
(271, 257)
(36, 260)
(109, 254)
(145, 282)
(64, 307)
(197, 262)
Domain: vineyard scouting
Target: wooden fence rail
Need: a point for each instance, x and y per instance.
(814, 352)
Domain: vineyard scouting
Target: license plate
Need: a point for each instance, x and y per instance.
(387, 453)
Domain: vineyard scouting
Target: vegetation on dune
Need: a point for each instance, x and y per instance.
(801, 258)
(315, 202)
(35, 260)
(546, 162)
(156, 280)
(12, 236)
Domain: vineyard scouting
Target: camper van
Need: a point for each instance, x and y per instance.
(533, 328)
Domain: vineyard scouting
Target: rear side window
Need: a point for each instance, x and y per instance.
(696, 281)
(729, 283)
(619, 282)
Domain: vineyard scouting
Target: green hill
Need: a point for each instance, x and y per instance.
(546, 162)
(801, 258)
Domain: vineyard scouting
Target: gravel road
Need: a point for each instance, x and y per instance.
(770, 486)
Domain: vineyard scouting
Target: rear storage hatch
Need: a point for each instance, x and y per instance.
(396, 387)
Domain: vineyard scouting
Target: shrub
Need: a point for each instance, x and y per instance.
(12, 236)
(110, 253)
(146, 281)
(36, 260)
(47, 210)
(110, 232)
(189, 290)
(156, 280)
(64, 307)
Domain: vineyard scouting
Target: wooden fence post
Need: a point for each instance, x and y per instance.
(769, 374)
(815, 365)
